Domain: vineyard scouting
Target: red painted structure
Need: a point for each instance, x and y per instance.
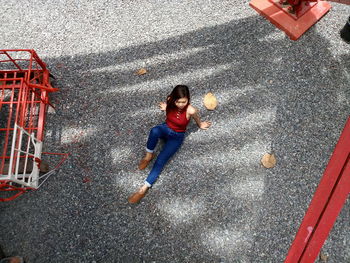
(294, 17)
(326, 204)
(24, 88)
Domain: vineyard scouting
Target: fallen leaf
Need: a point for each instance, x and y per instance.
(268, 160)
(210, 101)
(323, 257)
(141, 71)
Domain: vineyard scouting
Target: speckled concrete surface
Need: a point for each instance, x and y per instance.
(213, 202)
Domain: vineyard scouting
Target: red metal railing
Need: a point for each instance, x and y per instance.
(326, 204)
(24, 88)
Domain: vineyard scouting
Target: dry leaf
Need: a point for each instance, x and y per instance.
(323, 257)
(268, 160)
(210, 101)
(141, 71)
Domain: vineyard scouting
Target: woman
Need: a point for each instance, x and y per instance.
(179, 111)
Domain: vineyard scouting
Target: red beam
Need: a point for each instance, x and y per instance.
(326, 204)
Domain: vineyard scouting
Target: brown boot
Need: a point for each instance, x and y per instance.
(136, 197)
(144, 162)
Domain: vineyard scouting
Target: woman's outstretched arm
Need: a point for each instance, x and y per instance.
(204, 125)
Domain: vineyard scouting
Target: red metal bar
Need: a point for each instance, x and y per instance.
(31, 114)
(16, 102)
(8, 126)
(42, 117)
(6, 186)
(334, 206)
(49, 88)
(27, 129)
(12, 60)
(326, 204)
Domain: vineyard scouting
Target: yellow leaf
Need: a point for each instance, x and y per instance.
(141, 71)
(210, 101)
(268, 160)
(323, 257)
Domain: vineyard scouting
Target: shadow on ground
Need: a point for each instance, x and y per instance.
(213, 202)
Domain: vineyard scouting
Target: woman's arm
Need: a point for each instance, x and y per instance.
(162, 106)
(204, 125)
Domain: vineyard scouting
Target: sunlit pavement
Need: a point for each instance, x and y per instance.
(213, 202)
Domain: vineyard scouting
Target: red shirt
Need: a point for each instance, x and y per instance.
(177, 120)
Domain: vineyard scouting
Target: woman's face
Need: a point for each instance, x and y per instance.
(181, 103)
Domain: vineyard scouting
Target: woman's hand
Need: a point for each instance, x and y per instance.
(205, 125)
(162, 106)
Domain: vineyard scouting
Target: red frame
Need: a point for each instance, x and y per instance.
(326, 204)
(24, 88)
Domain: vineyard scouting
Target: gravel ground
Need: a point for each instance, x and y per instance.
(213, 202)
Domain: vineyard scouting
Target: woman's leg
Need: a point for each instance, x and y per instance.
(155, 134)
(170, 148)
(153, 138)
(173, 143)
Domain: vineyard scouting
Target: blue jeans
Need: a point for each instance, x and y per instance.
(173, 141)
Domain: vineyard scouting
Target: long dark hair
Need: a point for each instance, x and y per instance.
(180, 91)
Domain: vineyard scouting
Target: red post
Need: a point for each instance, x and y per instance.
(326, 204)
